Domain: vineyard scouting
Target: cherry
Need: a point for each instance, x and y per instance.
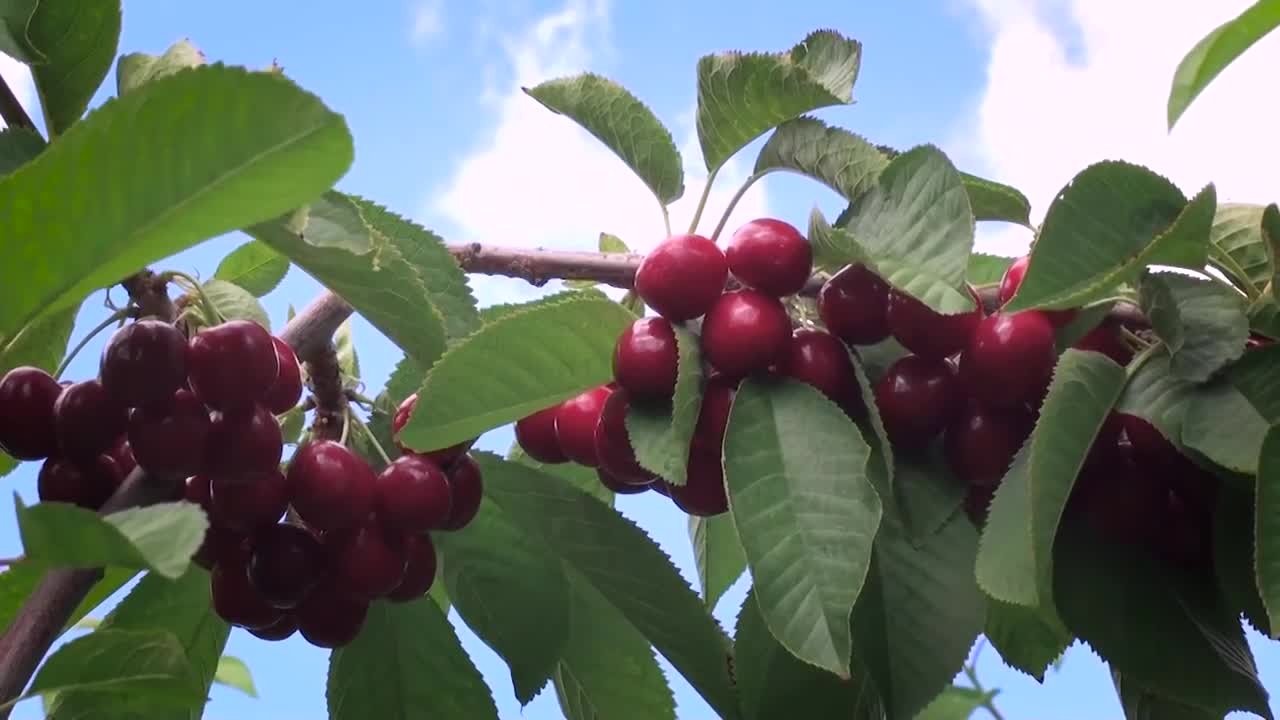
(332, 487)
(249, 501)
(87, 420)
(977, 503)
(576, 421)
(704, 492)
(467, 488)
(87, 483)
(1120, 498)
(285, 564)
(331, 617)
(243, 442)
(770, 256)
(619, 487)
(1185, 536)
(286, 390)
(144, 364)
(413, 494)
(646, 358)
(745, 331)
(122, 453)
(419, 571)
(821, 360)
(1012, 280)
(170, 441)
(613, 444)
(369, 560)
(1010, 358)
(444, 457)
(282, 629)
(682, 276)
(232, 366)
(218, 541)
(917, 398)
(980, 443)
(854, 305)
(27, 427)
(536, 434)
(927, 333)
(234, 598)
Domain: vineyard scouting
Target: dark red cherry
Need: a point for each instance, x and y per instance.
(536, 434)
(122, 453)
(285, 564)
(1120, 498)
(613, 444)
(249, 501)
(977, 503)
(413, 495)
(331, 616)
(646, 358)
(27, 428)
(144, 364)
(88, 421)
(928, 333)
(87, 483)
(682, 277)
(231, 366)
(1012, 280)
(234, 598)
(854, 305)
(620, 487)
(444, 457)
(1009, 358)
(980, 443)
(576, 421)
(243, 442)
(218, 541)
(332, 487)
(286, 390)
(770, 256)
(744, 332)
(1106, 339)
(466, 485)
(917, 397)
(169, 440)
(821, 360)
(282, 629)
(369, 560)
(704, 491)
(419, 571)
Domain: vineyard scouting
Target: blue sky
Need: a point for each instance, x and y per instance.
(1026, 91)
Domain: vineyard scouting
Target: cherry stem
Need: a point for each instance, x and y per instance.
(368, 432)
(733, 202)
(702, 201)
(193, 286)
(112, 319)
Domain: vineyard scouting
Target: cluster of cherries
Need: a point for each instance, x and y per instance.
(744, 332)
(303, 551)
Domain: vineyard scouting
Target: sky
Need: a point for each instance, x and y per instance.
(1027, 92)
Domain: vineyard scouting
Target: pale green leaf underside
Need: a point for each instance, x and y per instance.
(718, 554)
(160, 537)
(1201, 322)
(1026, 638)
(839, 159)
(986, 269)
(79, 41)
(1242, 237)
(156, 674)
(1215, 51)
(1234, 445)
(133, 70)
(661, 432)
(234, 673)
(254, 266)
(234, 302)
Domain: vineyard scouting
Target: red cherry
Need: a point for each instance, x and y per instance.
(466, 485)
(447, 457)
(331, 617)
(745, 332)
(369, 561)
(218, 541)
(1012, 280)
(536, 434)
(286, 390)
(854, 305)
(122, 453)
(231, 366)
(282, 629)
(234, 598)
(980, 443)
(704, 492)
(1105, 338)
(88, 421)
(770, 256)
(170, 441)
(618, 487)
(1009, 358)
(682, 277)
(613, 444)
(1120, 498)
(977, 503)
(332, 487)
(576, 421)
(78, 482)
(419, 572)
(243, 442)
(413, 495)
(646, 358)
(444, 457)
(285, 564)
(927, 333)
(27, 427)
(250, 501)
(819, 359)
(917, 398)
(144, 364)
(1185, 536)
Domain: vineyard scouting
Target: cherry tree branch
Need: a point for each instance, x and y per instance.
(11, 110)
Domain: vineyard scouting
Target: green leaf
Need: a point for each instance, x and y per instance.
(956, 703)
(607, 670)
(647, 589)
(1112, 220)
(1015, 557)
(234, 302)
(1170, 634)
(580, 476)
(835, 157)
(1267, 524)
(1026, 638)
(742, 95)
(1243, 238)
(209, 150)
(1201, 322)
(796, 470)
(15, 16)
(406, 663)
(1257, 377)
(773, 683)
(160, 537)
(17, 583)
(1141, 704)
(511, 592)
(660, 433)
(79, 41)
(134, 70)
(623, 123)
(927, 493)
(986, 269)
(996, 201)
(234, 673)
(334, 221)
(405, 380)
(1155, 395)
(1234, 540)
(1216, 51)
(882, 465)
(918, 614)
(345, 350)
(1233, 445)
(18, 146)
(255, 267)
(917, 228)
(718, 554)
(610, 243)
(531, 358)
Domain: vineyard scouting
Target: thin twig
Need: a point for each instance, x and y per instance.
(15, 116)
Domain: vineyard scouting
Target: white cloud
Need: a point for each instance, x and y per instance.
(1073, 82)
(428, 20)
(19, 80)
(540, 181)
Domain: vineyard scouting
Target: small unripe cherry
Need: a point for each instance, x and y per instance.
(1009, 359)
(576, 421)
(770, 256)
(854, 305)
(646, 358)
(1012, 280)
(682, 276)
(926, 332)
(27, 427)
(745, 332)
